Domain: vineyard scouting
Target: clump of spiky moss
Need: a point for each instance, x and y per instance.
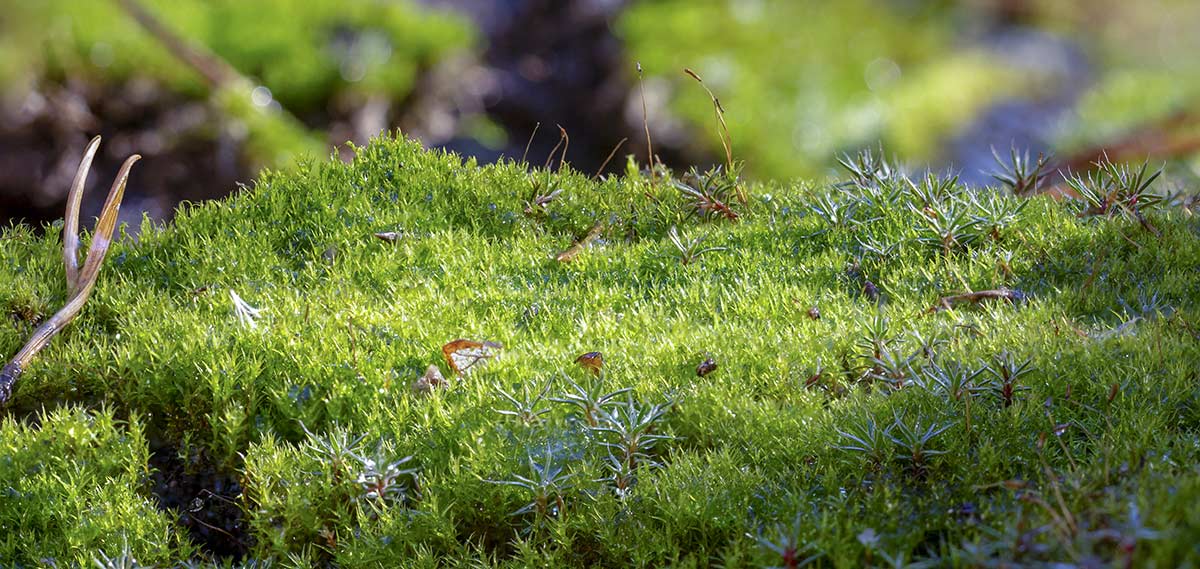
(907, 417)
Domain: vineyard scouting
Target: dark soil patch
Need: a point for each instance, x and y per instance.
(205, 497)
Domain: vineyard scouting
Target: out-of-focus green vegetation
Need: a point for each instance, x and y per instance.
(304, 52)
(803, 80)
(310, 56)
(1150, 69)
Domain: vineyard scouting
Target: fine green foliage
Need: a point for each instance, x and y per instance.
(846, 74)
(872, 405)
(74, 487)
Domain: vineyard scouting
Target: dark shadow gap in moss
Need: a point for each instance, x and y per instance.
(204, 496)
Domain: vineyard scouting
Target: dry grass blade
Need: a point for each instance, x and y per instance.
(105, 226)
(577, 247)
(79, 282)
(726, 140)
(71, 222)
(949, 302)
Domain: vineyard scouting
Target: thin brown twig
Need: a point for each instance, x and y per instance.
(723, 132)
(726, 139)
(949, 302)
(562, 159)
(550, 159)
(216, 71)
(577, 247)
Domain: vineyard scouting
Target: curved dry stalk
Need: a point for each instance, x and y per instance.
(80, 282)
(71, 222)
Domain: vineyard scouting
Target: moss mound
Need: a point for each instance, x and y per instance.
(853, 417)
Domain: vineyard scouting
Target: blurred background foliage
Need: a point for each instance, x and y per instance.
(306, 53)
(938, 83)
(805, 80)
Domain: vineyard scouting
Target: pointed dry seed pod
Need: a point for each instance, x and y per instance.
(79, 281)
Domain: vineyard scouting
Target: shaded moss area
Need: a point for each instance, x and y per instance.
(74, 487)
(880, 430)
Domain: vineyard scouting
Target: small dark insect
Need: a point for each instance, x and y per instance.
(591, 361)
(814, 313)
(871, 291)
(706, 367)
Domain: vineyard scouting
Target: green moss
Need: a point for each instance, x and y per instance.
(74, 486)
(349, 321)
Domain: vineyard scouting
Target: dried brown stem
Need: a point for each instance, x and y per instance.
(949, 302)
(80, 282)
(529, 142)
(645, 122)
(571, 252)
(562, 159)
(561, 137)
(726, 140)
